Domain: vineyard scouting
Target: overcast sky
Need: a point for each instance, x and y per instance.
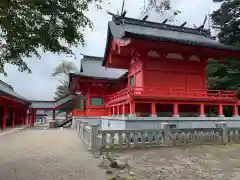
(39, 85)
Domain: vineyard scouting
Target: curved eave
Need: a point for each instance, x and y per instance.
(107, 47)
(182, 42)
(91, 77)
(14, 98)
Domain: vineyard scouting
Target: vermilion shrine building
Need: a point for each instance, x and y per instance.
(16, 110)
(152, 69)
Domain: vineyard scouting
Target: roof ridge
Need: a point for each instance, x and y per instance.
(6, 84)
(121, 20)
(92, 57)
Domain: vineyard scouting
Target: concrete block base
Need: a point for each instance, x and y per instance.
(52, 124)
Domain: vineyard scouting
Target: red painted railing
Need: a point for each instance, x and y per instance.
(173, 92)
(119, 94)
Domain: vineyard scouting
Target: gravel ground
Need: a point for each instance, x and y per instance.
(198, 163)
(37, 154)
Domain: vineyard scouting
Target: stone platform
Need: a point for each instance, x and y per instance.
(124, 122)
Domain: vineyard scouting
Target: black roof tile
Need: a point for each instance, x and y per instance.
(121, 27)
(91, 66)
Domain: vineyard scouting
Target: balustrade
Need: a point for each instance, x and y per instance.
(99, 140)
(173, 92)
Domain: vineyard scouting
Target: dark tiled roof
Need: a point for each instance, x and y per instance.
(121, 27)
(91, 77)
(91, 66)
(7, 89)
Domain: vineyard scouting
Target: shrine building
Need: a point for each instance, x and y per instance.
(152, 70)
(17, 111)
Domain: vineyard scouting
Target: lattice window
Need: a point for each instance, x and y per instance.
(96, 102)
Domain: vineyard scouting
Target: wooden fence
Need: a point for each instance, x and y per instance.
(100, 140)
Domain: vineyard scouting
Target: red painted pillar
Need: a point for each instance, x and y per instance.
(123, 110)
(132, 109)
(53, 115)
(113, 110)
(13, 118)
(25, 117)
(175, 110)
(118, 110)
(220, 110)
(202, 111)
(4, 117)
(153, 109)
(34, 115)
(28, 117)
(235, 110)
(32, 118)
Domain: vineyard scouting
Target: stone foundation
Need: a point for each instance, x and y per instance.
(125, 123)
(52, 124)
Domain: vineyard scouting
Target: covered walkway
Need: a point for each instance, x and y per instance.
(16, 110)
(65, 104)
(41, 154)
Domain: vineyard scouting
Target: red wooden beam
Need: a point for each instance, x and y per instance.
(196, 50)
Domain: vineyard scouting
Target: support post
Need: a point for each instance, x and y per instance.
(13, 118)
(123, 110)
(113, 110)
(118, 110)
(166, 128)
(33, 117)
(29, 118)
(224, 130)
(94, 144)
(4, 118)
(153, 110)
(202, 111)
(220, 110)
(25, 117)
(53, 115)
(235, 110)
(132, 109)
(175, 110)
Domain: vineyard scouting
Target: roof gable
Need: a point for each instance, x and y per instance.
(121, 27)
(92, 66)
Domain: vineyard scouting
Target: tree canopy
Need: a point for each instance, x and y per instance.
(64, 68)
(27, 25)
(226, 20)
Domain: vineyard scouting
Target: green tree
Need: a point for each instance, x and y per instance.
(63, 69)
(27, 25)
(52, 25)
(226, 20)
(226, 75)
